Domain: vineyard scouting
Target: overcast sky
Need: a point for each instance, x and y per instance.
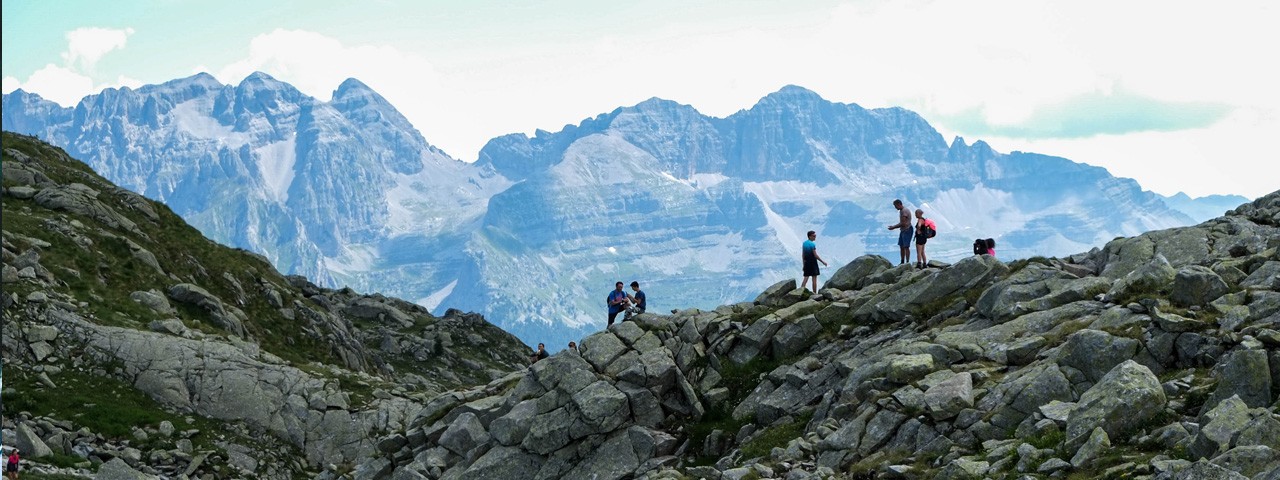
(1181, 96)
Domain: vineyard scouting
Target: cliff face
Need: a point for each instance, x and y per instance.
(1157, 356)
(118, 317)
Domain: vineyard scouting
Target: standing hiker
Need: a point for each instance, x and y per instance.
(904, 236)
(925, 229)
(617, 302)
(810, 258)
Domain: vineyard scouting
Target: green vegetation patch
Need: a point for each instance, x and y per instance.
(775, 436)
(105, 405)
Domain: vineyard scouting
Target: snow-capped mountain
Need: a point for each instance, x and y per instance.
(700, 210)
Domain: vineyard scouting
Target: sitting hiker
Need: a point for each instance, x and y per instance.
(540, 354)
(979, 246)
(637, 301)
(991, 246)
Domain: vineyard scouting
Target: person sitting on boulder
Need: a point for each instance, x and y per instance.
(637, 301)
(573, 346)
(540, 354)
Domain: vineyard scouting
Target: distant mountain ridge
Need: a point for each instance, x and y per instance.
(701, 210)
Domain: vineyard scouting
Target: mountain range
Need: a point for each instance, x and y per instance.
(701, 210)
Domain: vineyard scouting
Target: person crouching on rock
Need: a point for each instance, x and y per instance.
(617, 302)
(636, 300)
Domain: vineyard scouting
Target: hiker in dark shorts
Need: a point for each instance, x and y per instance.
(810, 258)
(637, 301)
(925, 228)
(12, 464)
(617, 302)
(904, 236)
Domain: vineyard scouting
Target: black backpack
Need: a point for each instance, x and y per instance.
(980, 246)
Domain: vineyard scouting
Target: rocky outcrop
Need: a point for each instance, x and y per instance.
(977, 370)
(104, 287)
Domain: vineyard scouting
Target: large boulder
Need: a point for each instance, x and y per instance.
(117, 469)
(853, 275)
(1095, 353)
(947, 398)
(1155, 276)
(30, 444)
(1005, 300)
(795, 337)
(1232, 424)
(602, 406)
(776, 294)
(464, 434)
(1250, 460)
(1245, 374)
(971, 272)
(504, 462)
(1196, 285)
(1125, 399)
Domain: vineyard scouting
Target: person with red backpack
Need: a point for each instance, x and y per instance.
(925, 229)
(11, 470)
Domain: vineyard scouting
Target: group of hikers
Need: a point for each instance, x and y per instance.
(919, 232)
(619, 301)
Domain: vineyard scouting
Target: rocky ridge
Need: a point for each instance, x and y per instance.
(119, 319)
(1156, 356)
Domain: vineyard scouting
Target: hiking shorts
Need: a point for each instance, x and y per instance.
(904, 238)
(921, 239)
(811, 268)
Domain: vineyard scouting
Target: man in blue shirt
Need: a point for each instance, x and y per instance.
(809, 254)
(617, 302)
(637, 300)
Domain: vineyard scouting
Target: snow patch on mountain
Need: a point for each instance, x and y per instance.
(432, 301)
(194, 118)
(275, 164)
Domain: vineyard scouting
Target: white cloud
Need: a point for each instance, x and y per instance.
(10, 84)
(64, 86)
(67, 84)
(85, 46)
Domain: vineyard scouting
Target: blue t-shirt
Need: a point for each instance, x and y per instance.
(615, 295)
(639, 296)
(808, 249)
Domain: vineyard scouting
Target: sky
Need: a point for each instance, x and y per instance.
(1180, 95)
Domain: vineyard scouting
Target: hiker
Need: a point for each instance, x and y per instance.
(540, 354)
(617, 302)
(637, 301)
(573, 347)
(984, 246)
(810, 258)
(11, 465)
(904, 236)
(925, 229)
